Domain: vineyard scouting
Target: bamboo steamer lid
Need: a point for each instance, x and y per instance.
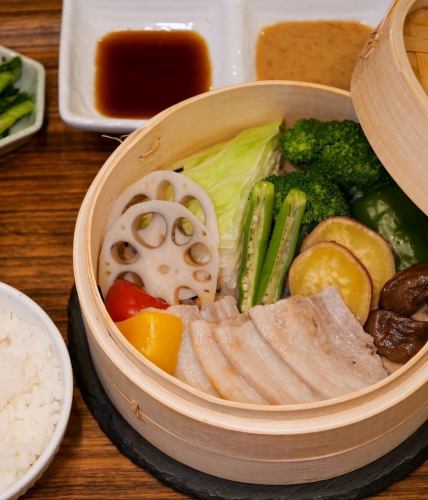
(390, 100)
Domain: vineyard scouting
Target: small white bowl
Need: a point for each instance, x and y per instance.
(15, 301)
(230, 28)
(33, 82)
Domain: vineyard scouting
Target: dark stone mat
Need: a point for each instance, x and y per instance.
(363, 482)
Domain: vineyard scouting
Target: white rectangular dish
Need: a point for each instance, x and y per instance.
(230, 28)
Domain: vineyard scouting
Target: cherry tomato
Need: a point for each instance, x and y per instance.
(124, 299)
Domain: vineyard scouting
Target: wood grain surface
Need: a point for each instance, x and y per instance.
(41, 187)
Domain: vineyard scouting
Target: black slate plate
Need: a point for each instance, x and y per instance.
(366, 481)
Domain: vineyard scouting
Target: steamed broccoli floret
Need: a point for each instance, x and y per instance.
(337, 150)
(384, 180)
(300, 143)
(324, 198)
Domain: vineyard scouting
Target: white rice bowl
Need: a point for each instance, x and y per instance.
(35, 391)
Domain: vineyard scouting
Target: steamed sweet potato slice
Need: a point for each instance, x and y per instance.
(370, 248)
(330, 264)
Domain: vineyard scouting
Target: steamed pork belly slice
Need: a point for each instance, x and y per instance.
(189, 368)
(292, 329)
(255, 359)
(226, 379)
(343, 316)
(347, 336)
(220, 310)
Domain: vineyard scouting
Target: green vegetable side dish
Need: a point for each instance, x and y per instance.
(395, 217)
(10, 71)
(338, 150)
(282, 247)
(256, 235)
(13, 103)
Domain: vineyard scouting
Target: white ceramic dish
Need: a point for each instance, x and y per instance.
(230, 28)
(33, 82)
(15, 301)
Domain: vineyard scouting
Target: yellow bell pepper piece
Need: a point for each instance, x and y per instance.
(157, 335)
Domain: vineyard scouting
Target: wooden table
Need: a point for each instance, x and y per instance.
(41, 187)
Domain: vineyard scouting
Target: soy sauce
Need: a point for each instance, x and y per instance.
(139, 73)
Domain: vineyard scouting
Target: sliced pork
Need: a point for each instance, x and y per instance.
(350, 341)
(224, 376)
(220, 310)
(299, 350)
(255, 359)
(292, 328)
(189, 368)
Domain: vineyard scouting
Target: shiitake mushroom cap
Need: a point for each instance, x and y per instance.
(396, 336)
(407, 291)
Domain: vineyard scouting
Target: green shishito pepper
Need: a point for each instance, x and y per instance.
(282, 247)
(395, 217)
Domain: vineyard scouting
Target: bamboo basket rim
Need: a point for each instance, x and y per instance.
(110, 329)
(290, 432)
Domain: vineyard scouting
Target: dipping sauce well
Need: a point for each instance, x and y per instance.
(139, 73)
(311, 51)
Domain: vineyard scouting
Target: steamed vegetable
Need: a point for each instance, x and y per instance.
(399, 326)
(282, 247)
(228, 172)
(168, 186)
(10, 71)
(338, 150)
(370, 248)
(125, 299)
(395, 217)
(397, 337)
(157, 335)
(256, 234)
(323, 198)
(330, 264)
(151, 241)
(407, 291)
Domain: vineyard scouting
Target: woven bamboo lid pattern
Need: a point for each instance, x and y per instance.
(416, 43)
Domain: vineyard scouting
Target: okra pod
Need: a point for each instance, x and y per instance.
(256, 234)
(282, 247)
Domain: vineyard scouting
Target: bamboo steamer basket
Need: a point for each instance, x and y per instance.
(391, 103)
(241, 442)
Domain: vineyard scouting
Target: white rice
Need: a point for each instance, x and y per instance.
(31, 390)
